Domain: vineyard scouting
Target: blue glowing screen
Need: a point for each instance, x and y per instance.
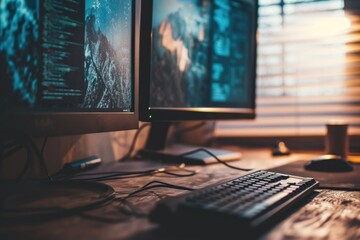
(202, 53)
(66, 55)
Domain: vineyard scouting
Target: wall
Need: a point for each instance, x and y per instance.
(59, 150)
(108, 146)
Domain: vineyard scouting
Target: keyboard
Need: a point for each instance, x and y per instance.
(243, 206)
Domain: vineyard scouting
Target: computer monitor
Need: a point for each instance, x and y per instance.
(198, 62)
(68, 67)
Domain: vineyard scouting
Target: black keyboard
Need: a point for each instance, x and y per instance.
(244, 205)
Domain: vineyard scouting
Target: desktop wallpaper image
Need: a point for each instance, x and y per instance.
(105, 82)
(180, 53)
(19, 57)
(199, 53)
(108, 54)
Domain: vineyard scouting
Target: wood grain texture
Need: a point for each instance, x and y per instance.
(327, 215)
(330, 215)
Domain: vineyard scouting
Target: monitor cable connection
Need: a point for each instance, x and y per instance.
(133, 143)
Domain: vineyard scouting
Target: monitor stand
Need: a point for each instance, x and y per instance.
(156, 148)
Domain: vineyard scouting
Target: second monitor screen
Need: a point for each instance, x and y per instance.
(201, 54)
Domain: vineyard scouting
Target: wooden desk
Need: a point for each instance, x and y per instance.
(327, 215)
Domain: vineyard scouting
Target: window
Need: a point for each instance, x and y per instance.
(308, 69)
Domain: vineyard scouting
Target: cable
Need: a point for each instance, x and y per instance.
(1, 156)
(43, 146)
(26, 167)
(101, 196)
(159, 186)
(166, 184)
(13, 147)
(103, 176)
(9, 144)
(132, 146)
(216, 158)
(12, 151)
(24, 141)
(149, 185)
(130, 208)
(39, 155)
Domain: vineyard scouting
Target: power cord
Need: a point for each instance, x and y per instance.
(14, 146)
(105, 176)
(136, 136)
(150, 185)
(127, 207)
(160, 184)
(215, 157)
(132, 146)
(43, 147)
(39, 154)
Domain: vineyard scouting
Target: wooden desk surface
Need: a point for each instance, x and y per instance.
(327, 215)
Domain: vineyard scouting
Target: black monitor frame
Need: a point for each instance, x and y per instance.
(148, 114)
(161, 118)
(59, 123)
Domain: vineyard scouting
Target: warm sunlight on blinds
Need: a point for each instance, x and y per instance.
(308, 69)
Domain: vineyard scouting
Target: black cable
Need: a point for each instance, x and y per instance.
(132, 146)
(8, 149)
(11, 189)
(53, 212)
(125, 176)
(132, 209)
(103, 176)
(39, 156)
(12, 148)
(168, 171)
(12, 151)
(148, 187)
(216, 158)
(180, 175)
(9, 144)
(22, 140)
(43, 147)
(160, 184)
(29, 159)
(2, 149)
(100, 176)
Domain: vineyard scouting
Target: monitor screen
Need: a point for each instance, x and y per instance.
(69, 58)
(202, 59)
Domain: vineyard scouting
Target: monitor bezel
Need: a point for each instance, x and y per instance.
(148, 114)
(52, 123)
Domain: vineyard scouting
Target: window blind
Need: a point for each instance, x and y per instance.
(308, 69)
